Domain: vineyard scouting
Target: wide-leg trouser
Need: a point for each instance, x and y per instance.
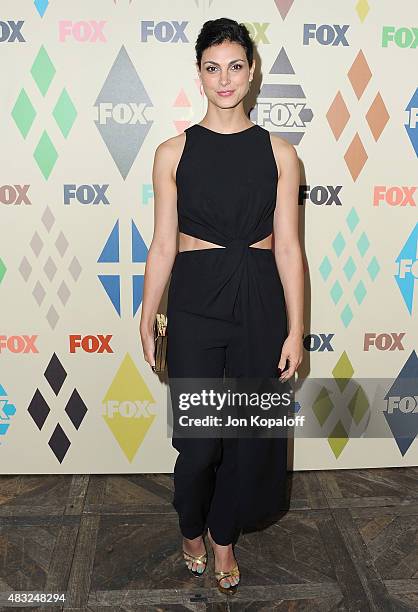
(228, 484)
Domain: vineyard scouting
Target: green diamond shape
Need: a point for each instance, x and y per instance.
(373, 268)
(43, 70)
(2, 269)
(64, 113)
(337, 439)
(325, 268)
(322, 406)
(352, 219)
(45, 154)
(363, 244)
(346, 315)
(23, 113)
(338, 244)
(349, 268)
(358, 405)
(360, 292)
(336, 292)
(343, 371)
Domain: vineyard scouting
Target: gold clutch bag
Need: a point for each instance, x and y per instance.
(160, 337)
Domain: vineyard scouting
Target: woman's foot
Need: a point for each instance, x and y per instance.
(225, 562)
(195, 548)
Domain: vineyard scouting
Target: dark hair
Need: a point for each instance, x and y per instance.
(215, 31)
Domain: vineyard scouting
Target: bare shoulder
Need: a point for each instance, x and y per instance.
(169, 151)
(171, 144)
(284, 152)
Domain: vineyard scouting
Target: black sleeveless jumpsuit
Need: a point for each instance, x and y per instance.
(226, 316)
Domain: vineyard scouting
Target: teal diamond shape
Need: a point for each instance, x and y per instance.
(45, 154)
(64, 113)
(43, 70)
(352, 219)
(360, 292)
(338, 244)
(336, 292)
(349, 268)
(2, 269)
(23, 113)
(363, 244)
(325, 268)
(346, 315)
(373, 268)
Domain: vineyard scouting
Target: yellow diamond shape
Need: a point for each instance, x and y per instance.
(343, 371)
(358, 405)
(337, 439)
(128, 408)
(362, 8)
(322, 406)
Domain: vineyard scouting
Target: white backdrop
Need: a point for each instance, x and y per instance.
(89, 89)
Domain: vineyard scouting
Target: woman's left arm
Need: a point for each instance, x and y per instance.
(288, 253)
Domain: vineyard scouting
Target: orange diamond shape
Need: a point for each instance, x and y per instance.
(355, 157)
(338, 115)
(359, 74)
(377, 116)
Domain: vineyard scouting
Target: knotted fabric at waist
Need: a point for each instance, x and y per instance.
(215, 288)
(238, 243)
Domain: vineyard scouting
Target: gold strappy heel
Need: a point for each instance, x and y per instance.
(200, 560)
(221, 575)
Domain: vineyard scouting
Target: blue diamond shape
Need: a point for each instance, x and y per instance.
(41, 6)
(403, 424)
(410, 127)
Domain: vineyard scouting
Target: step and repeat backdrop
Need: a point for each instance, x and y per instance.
(89, 89)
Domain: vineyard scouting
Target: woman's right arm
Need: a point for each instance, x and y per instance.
(163, 246)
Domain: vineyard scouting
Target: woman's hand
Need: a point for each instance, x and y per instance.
(293, 351)
(148, 346)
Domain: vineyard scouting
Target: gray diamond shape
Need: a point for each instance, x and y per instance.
(61, 244)
(52, 317)
(124, 85)
(48, 219)
(63, 293)
(36, 244)
(50, 268)
(39, 293)
(75, 268)
(25, 269)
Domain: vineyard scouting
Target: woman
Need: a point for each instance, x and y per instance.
(228, 311)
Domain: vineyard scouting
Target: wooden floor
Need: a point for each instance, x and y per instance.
(349, 541)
